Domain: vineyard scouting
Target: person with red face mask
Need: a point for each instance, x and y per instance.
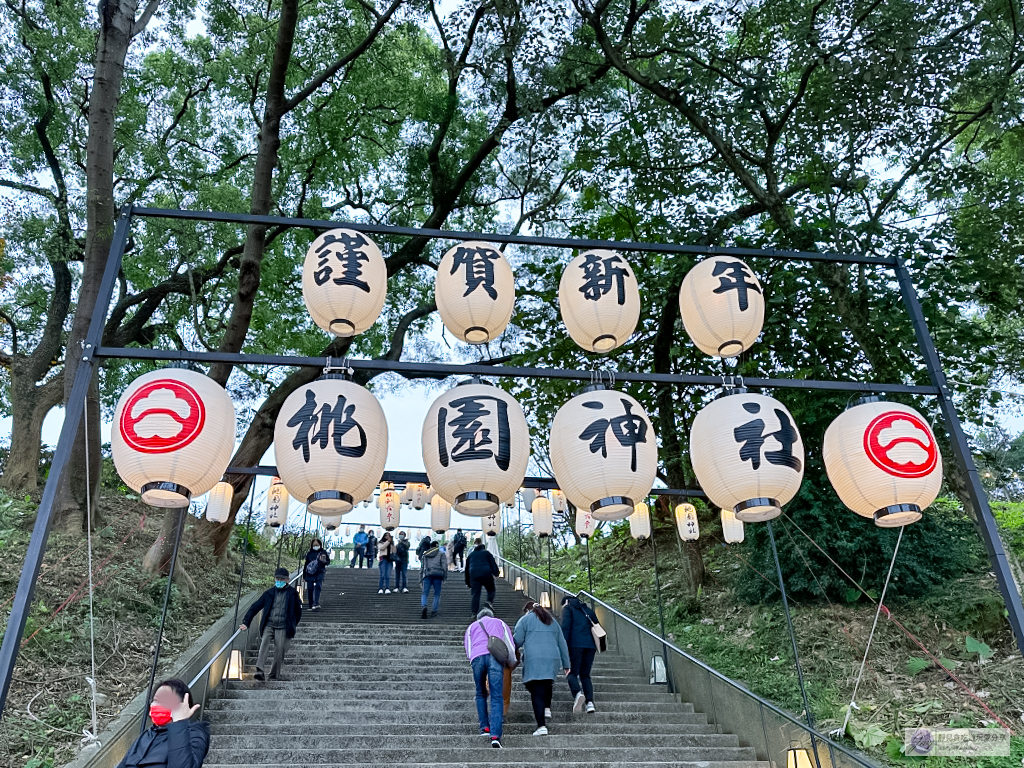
(174, 741)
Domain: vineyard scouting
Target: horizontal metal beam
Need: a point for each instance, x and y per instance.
(542, 483)
(443, 370)
(491, 237)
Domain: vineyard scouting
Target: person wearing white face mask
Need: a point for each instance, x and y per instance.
(313, 572)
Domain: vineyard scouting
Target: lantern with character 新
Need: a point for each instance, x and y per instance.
(603, 452)
(722, 305)
(599, 300)
(476, 447)
(344, 282)
(747, 454)
(883, 461)
(475, 292)
(331, 442)
(172, 436)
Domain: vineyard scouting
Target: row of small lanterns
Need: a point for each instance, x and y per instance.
(345, 284)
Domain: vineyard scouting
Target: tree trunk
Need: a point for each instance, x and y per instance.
(116, 18)
(29, 406)
(158, 558)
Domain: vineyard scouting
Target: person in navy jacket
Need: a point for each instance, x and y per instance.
(282, 611)
(174, 741)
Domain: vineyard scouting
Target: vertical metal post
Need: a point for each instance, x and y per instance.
(962, 452)
(22, 604)
(519, 530)
(163, 614)
(549, 557)
(796, 654)
(245, 550)
(590, 577)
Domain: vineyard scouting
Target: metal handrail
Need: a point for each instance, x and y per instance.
(710, 670)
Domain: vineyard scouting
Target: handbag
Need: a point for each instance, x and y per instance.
(598, 633)
(498, 650)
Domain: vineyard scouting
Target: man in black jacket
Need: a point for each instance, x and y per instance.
(458, 550)
(282, 611)
(481, 568)
(174, 741)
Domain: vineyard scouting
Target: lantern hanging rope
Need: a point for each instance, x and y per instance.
(90, 738)
(874, 625)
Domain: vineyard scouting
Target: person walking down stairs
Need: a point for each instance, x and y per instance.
(282, 612)
(386, 561)
(544, 653)
(488, 672)
(481, 568)
(433, 572)
(359, 546)
(577, 620)
(402, 563)
(313, 572)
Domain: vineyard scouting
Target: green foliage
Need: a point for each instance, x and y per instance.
(976, 646)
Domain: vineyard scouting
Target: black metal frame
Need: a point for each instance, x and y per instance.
(93, 349)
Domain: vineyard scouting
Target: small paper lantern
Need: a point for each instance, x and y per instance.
(586, 523)
(722, 306)
(331, 442)
(419, 496)
(640, 522)
(491, 524)
(440, 514)
(747, 454)
(543, 520)
(218, 505)
(173, 435)
(519, 584)
(510, 503)
(604, 452)
(732, 527)
(529, 496)
(476, 447)
(348, 530)
(332, 523)
(390, 509)
(599, 300)
(344, 282)
(475, 292)
(883, 461)
(686, 522)
(558, 501)
(406, 495)
(278, 502)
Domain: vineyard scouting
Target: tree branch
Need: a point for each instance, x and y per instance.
(143, 20)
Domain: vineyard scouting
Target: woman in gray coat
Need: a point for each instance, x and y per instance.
(544, 654)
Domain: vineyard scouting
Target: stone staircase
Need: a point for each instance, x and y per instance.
(368, 682)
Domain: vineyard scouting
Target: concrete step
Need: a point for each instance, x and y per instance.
(370, 696)
(470, 740)
(462, 684)
(535, 753)
(401, 703)
(514, 760)
(406, 724)
(461, 729)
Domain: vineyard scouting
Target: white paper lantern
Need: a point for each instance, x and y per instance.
(440, 514)
(732, 527)
(510, 502)
(747, 454)
(218, 505)
(344, 282)
(475, 292)
(491, 524)
(640, 521)
(406, 494)
(586, 523)
(348, 530)
(599, 299)
(558, 501)
(331, 442)
(686, 522)
(604, 452)
(476, 447)
(722, 305)
(390, 509)
(278, 502)
(419, 496)
(543, 519)
(332, 523)
(883, 461)
(173, 435)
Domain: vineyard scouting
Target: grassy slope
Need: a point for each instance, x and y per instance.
(50, 678)
(750, 643)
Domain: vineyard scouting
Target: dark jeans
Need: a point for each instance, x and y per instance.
(582, 661)
(459, 557)
(313, 588)
(540, 695)
(476, 584)
(360, 552)
(435, 582)
(401, 575)
(487, 673)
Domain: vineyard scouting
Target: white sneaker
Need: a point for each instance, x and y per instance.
(405, 589)
(380, 591)
(542, 731)
(547, 714)
(387, 591)
(577, 704)
(591, 709)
